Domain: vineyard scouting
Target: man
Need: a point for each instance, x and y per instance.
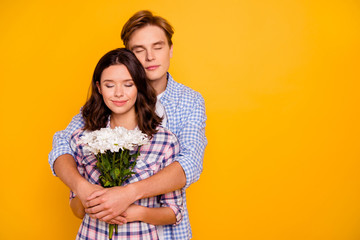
(183, 112)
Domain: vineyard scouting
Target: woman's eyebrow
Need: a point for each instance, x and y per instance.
(108, 80)
(125, 80)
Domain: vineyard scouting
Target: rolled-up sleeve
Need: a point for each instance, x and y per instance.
(193, 142)
(61, 140)
(173, 200)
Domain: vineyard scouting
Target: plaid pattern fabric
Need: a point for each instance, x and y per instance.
(185, 110)
(154, 156)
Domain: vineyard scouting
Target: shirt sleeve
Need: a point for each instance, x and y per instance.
(193, 142)
(78, 156)
(61, 140)
(173, 199)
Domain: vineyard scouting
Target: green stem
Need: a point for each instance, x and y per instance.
(120, 167)
(111, 230)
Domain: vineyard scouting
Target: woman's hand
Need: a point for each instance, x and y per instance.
(132, 214)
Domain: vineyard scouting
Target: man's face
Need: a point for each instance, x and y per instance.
(150, 46)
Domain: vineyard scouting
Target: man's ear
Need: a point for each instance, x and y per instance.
(171, 50)
(98, 87)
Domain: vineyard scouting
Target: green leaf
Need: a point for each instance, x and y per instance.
(135, 155)
(126, 154)
(102, 180)
(126, 161)
(127, 172)
(108, 184)
(133, 164)
(106, 164)
(115, 173)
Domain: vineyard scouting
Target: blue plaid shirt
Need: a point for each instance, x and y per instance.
(185, 110)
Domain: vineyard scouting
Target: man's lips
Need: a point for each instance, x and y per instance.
(150, 68)
(120, 103)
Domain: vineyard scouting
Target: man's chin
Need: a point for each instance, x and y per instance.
(155, 78)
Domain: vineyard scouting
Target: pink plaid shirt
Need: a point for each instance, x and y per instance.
(154, 156)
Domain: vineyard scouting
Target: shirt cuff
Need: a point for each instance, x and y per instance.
(72, 195)
(54, 155)
(189, 171)
(177, 211)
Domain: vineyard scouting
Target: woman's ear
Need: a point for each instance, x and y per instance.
(98, 87)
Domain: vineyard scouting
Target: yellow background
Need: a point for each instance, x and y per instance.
(281, 84)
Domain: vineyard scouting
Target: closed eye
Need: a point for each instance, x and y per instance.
(138, 50)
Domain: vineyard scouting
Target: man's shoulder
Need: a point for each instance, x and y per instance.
(179, 90)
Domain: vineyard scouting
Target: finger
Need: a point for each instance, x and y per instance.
(120, 219)
(92, 203)
(99, 215)
(96, 194)
(107, 217)
(124, 214)
(96, 209)
(115, 222)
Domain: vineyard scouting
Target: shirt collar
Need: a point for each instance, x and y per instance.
(169, 93)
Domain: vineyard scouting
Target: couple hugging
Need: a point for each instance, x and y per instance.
(131, 88)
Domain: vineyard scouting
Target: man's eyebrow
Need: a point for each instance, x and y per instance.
(161, 42)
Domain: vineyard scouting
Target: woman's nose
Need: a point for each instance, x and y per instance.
(119, 91)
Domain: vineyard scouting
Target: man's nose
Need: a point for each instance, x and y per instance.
(150, 55)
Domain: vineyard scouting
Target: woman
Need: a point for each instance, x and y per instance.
(122, 96)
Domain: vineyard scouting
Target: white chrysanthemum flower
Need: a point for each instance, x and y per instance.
(105, 139)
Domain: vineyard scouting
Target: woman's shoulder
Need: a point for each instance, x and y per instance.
(164, 135)
(77, 134)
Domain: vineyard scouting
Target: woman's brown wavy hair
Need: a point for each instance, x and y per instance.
(96, 113)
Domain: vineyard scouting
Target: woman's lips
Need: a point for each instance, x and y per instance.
(119, 103)
(151, 68)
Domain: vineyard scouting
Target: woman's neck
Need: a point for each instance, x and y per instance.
(128, 122)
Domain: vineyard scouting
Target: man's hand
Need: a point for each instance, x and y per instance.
(66, 169)
(85, 189)
(109, 203)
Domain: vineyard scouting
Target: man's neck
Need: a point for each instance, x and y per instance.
(159, 85)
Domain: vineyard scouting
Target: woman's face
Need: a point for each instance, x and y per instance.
(118, 90)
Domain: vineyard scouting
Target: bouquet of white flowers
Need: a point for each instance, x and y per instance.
(111, 148)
